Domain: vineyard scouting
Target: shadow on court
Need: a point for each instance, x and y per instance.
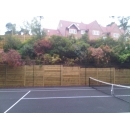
(59, 100)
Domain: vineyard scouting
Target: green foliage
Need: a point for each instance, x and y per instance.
(84, 38)
(11, 43)
(60, 46)
(107, 41)
(1, 38)
(69, 50)
(56, 59)
(48, 59)
(27, 50)
(68, 47)
(124, 22)
(125, 58)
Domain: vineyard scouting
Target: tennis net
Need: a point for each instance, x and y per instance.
(118, 91)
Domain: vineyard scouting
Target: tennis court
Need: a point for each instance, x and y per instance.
(61, 100)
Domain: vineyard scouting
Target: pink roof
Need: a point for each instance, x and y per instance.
(110, 29)
(63, 25)
(88, 26)
(104, 29)
(68, 23)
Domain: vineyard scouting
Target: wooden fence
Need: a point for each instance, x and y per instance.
(58, 75)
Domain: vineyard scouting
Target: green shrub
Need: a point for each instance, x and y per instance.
(12, 43)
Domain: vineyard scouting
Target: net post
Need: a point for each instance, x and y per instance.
(112, 90)
(89, 82)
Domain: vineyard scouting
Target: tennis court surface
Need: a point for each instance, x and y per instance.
(60, 100)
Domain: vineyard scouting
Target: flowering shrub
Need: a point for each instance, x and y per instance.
(11, 58)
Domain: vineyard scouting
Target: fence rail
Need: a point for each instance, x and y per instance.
(58, 75)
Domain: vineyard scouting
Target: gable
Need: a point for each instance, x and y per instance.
(116, 29)
(95, 26)
(74, 25)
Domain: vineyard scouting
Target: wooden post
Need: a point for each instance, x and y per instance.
(61, 74)
(25, 75)
(43, 74)
(85, 75)
(79, 75)
(6, 75)
(33, 75)
(97, 73)
(89, 82)
(114, 75)
(110, 76)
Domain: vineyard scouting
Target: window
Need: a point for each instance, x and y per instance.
(82, 31)
(95, 32)
(116, 35)
(73, 31)
(104, 37)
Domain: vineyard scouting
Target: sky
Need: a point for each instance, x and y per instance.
(86, 11)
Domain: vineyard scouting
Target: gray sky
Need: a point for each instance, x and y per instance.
(17, 11)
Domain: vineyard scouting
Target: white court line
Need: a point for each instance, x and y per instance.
(67, 97)
(66, 90)
(54, 89)
(34, 90)
(122, 95)
(17, 102)
(11, 91)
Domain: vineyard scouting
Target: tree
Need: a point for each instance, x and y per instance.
(124, 22)
(34, 28)
(11, 28)
(40, 18)
(23, 31)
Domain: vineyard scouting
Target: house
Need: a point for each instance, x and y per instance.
(67, 28)
(93, 29)
(112, 31)
(51, 32)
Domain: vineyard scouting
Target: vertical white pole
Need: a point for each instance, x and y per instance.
(112, 90)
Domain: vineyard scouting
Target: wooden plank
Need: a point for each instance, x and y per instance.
(59, 75)
(25, 75)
